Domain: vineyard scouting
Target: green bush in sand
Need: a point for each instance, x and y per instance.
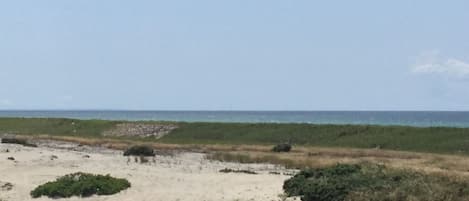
(282, 148)
(139, 150)
(81, 184)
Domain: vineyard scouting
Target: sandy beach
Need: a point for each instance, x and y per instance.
(183, 176)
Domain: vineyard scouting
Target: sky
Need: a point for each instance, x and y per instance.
(234, 55)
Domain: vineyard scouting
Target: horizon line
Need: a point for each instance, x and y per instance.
(223, 110)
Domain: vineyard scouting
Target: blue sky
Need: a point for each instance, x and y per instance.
(234, 55)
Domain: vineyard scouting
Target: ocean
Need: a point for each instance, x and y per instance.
(405, 118)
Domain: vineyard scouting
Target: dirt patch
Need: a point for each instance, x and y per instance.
(141, 130)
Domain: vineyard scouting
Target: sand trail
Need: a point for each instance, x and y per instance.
(179, 177)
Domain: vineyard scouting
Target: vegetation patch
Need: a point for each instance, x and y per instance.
(246, 158)
(81, 184)
(373, 182)
(17, 141)
(139, 150)
(228, 170)
(404, 138)
(282, 148)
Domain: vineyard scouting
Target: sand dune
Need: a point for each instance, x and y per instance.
(178, 177)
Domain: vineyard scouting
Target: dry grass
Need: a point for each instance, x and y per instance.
(453, 166)
(299, 157)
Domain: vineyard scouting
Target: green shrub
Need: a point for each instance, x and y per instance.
(320, 181)
(139, 150)
(17, 141)
(81, 184)
(282, 148)
(373, 182)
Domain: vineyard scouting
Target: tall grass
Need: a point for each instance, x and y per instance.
(431, 139)
(405, 138)
(55, 126)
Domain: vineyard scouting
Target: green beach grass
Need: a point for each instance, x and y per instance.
(403, 138)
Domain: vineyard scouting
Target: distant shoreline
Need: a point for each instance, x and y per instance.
(402, 118)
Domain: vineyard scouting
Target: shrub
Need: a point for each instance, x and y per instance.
(282, 148)
(373, 182)
(319, 181)
(17, 141)
(139, 150)
(81, 184)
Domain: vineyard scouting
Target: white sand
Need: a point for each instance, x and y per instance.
(185, 176)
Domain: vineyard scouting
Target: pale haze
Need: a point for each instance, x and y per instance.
(234, 55)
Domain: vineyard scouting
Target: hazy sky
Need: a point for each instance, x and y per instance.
(234, 55)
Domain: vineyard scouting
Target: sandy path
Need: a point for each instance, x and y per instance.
(185, 176)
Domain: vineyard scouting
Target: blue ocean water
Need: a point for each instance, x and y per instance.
(410, 118)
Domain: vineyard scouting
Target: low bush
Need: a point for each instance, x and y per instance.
(372, 182)
(81, 184)
(17, 141)
(282, 148)
(139, 150)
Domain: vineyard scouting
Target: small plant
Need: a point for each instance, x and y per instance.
(139, 150)
(17, 141)
(285, 147)
(81, 184)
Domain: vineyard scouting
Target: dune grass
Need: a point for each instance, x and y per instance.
(55, 126)
(430, 139)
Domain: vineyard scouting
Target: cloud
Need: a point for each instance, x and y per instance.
(432, 63)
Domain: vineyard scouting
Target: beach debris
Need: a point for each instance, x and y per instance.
(53, 157)
(11, 158)
(6, 186)
(228, 170)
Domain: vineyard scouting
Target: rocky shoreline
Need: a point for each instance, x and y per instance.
(141, 130)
